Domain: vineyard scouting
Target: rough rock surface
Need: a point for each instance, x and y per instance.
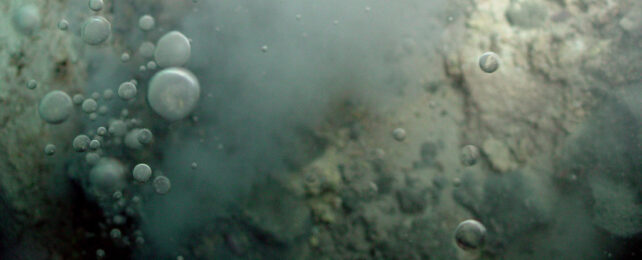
(363, 195)
(23, 176)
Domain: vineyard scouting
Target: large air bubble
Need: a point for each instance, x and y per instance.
(173, 93)
(55, 107)
(26, 19)
(172, 50)
(95, 30)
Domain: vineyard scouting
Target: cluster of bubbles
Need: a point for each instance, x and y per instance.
(470, 235)
(172, 93)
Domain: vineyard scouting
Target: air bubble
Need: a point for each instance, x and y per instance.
(94, 144)
(162, 185)
(470, 235)
(78, 99)
(469, 155)
(81, 143)
(26, 19)
(107, 176)
(55, 107)
(489, 62)
(108, 94)
(142, 172)
(172, 50)
(118, 128)
(89, 105)
(144, 136)
(63, 25)
(50, 149)
(124, 112)
(264, 48)
(95, 30)
(102, 131)
(100, 253)
(92, 158)
(119, 220)
(103, 110)
(124, 57)
(151, 65)
(115, 233)
(131, 139)
(96, 5)
(146, 49)
(32, 84)
(399, 134)
(127, 91)
(146, 22)
(173, 93)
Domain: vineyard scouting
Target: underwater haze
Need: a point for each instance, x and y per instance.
(321, 129)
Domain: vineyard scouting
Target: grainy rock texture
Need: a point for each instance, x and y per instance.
(558, 127)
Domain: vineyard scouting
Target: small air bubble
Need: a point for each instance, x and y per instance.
(399, 134)
(32, 84)
(489, 62)
(144, 136)
(162, 185)
(94, 144)
(96, 5)
(124, 57)
(142, 172)
(78, 99)
(55, 107)
(115, 233)
(50, 149)
(102, 131)
(146, 22)
(470, 235)
(89, 105)
(127, 91)
(95, 30)
(63, 24)
(81, 143)
(469, 155)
